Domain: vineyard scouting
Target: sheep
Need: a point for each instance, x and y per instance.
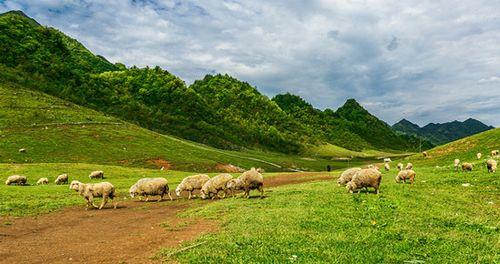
(17, 179)
(371, 166)
(96, 175)
(365, 178)
(42, 181)
(387, 167)
(466, 166)
(406, 174)
(400, 166)
(89, 191)
(234, 185)
(491, 164)
(22, 150)
(478, 155)
(61, 179)
(191, 183)
(494, 153)
(409, 166)
(456, 163)
(346, 176)
(387, 160)
(150, 186)
(213, 186)
(252, 180)
(425, 154)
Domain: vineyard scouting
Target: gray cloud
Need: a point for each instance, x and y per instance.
(441, 66)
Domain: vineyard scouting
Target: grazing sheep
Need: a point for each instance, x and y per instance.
(406, 174)
(478, 155)
(213, 186)
(150, 187)
(491, 164)
(400, 166)
(234, 185)
(96, 175)
(409, 166)
(456, 163)
(191, 183)
(494, 153)
(346, 176)
(42, 181)
(22, 150)
(387, 160)
(365, 178)
(425, 154)
(17, 179)
(61, 179)
(252, 180)
(387, 167)
(466, 166)
(89, 191)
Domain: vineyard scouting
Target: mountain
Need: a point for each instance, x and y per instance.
(442, 133)
(218, 110)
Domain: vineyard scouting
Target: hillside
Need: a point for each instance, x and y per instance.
(54, 130)
(464, 149)
(442, 133)
(219, 110)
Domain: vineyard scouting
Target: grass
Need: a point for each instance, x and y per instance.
(436, 221)
(54, 131)
(332, 151)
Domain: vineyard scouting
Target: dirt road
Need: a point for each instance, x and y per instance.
(130, 234)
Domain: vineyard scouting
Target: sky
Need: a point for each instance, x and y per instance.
(426, 61)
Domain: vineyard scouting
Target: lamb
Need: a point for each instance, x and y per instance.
(234, 185)
(61, 179)
(365, 178)
(96, 175)
(387, 160)
(191, 183)
(409, 166)
(42, 181)
(150, 186)
(491, 164)
(400, 166)
(456, 163)
(213, 186)
(387, 167)
(17, 179)
(406, 174)
(466, 166)
(494, 153)
(478, 155)
(252, 180)
(89, 191)
(346, 176)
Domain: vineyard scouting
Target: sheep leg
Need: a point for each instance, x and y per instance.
(161, 198)
(261, 189)
(104, 201)
(190, 195)
(170, 196)
(147, 198)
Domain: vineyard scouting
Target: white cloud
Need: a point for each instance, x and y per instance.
(416, 59)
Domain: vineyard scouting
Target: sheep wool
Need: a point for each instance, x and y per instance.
(406, 174)
(466, 166)
(491, 164)
(216, 184)
(150, 187)
(346, 176)
(16, 179)
(89, 191)
(252, 180)
(42, 181)
(191, 183)
(61, 179)
(96, 175)
(365, 178)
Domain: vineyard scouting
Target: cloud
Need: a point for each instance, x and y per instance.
(399, 59)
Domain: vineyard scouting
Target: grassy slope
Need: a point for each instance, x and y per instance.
(436, 221)
(333, 151)
(53, 130)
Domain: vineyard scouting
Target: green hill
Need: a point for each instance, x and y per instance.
(219, 110)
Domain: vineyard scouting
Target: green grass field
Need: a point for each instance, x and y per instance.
(436, 221)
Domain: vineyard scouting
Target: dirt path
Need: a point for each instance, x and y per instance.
(130, 234)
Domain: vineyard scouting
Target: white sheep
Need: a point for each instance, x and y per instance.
(234, 185)
(150, 187)
(61, 179)
(96, 175)
(494, 153)
(387, 167)
(456, 163)
(466, 166)
(424, 153)
(17, 179)
(365, 178)
(400, 166)
(191, 183)
(409, 166)
(346, 176)
(478, 155)
(89, 191)
(406, 174)
(386, 160)
(212, 187)
(42, 181)
(491, 164)
(252, 180)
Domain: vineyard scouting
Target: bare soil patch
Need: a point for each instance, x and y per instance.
(130, 234)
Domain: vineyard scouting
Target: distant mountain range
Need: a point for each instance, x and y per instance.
(442, 133)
